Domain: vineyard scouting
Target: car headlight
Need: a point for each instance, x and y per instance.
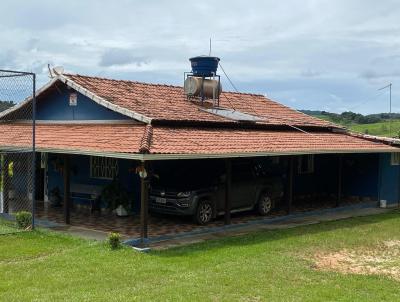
(183, 194)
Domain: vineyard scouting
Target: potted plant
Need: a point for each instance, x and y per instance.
(116, 198)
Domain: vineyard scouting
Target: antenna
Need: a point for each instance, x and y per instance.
(390, 106)
(50, 73)
(209, 53)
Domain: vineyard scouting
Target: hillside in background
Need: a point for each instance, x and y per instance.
(5, 105)
(381, 124)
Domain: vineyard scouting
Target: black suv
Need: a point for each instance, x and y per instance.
(199, 189)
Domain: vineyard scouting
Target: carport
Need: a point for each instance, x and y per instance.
(336, 167)
(90, 130)
(343, 165)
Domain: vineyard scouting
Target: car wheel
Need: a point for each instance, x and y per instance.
(204, 212)
(264, 204)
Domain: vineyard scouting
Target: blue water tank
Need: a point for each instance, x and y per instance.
(204, 66)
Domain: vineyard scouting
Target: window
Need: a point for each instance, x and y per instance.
(395, 159)
(103, 167)
(306, 164)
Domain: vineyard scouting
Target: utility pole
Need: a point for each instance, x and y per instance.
(390, 106)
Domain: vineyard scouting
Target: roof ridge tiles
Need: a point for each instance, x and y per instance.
(153, 84)
(145, 142)
(120, 80)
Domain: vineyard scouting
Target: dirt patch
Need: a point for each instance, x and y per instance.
(384, 259)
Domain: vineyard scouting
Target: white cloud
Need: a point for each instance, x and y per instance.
(296, 50)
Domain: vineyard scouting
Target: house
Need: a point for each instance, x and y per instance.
(90, 130)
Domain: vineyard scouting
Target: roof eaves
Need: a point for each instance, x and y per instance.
(29, 98)
(174, 156)
(122, 155)
(385, 140)
(84, 91)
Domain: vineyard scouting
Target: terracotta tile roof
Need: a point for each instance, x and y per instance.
(88, 137)
(217, 141)
(164, 102)
(139, 138)
(382, 139)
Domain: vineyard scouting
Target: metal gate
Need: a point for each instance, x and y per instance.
(17, 151)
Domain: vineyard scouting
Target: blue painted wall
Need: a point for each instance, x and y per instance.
(364, 175)
(55, 106)
(360, 176)
(80, 174)
(389, 180)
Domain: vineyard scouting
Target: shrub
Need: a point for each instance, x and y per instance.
(114, 240)
(23, 219)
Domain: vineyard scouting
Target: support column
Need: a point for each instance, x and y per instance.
(290, 185)
(228, 189)
(144, 203)
(339, 180)
(67, 199)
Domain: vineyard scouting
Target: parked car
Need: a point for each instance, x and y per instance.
(199, 190)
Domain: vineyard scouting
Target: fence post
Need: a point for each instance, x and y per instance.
(33, 149)
(18, 119)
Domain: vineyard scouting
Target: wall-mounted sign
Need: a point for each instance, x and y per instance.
(73, 99)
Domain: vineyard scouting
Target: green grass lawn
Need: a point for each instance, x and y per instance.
(379, 129)
(262, 266)
(7, 227)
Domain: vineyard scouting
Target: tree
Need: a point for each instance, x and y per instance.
(4, 105)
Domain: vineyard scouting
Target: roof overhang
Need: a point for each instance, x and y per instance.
(158, 157)
(138, 141)
(256, 154)
(29, 99)
(97, 99)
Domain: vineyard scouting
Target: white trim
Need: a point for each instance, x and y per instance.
(256, 154)
(29, 98)
(381, 139)
(145, 157)
(109, 169)
(74, 152)
(103, 102)
(77, 122)
(85, 92)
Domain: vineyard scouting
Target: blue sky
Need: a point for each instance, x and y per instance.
(310, 54)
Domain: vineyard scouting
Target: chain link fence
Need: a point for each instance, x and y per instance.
(17, 150)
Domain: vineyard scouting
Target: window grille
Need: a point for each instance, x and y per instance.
(395, 159)
(103, 167)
